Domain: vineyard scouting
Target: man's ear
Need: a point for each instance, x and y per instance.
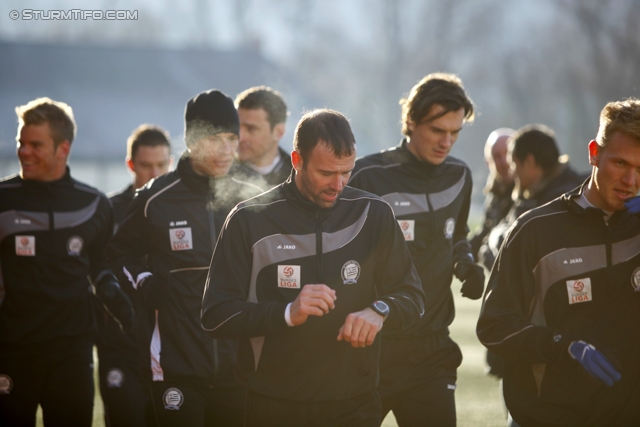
(594, 152)
(129, 164)
(296, 161)
(278, 131)
(63, 149)
(410, 127)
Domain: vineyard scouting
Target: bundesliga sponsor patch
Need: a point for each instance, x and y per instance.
(579, 290)
(26, 245)
(289, 276)
(408, 227)
(181, 239)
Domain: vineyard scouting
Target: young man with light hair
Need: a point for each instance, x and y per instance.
(562, 303)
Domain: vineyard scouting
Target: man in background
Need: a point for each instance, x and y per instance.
(263, 114)
(430, 193)
(125, 394)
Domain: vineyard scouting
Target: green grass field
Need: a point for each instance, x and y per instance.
(477, 396)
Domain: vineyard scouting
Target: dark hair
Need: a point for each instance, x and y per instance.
(619, 116)
(538, 140)
(327, 126)
(149, 136)
(266, 98)
(442, 89)
(45, 110)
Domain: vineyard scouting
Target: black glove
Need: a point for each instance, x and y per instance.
(115, 301)
(472, 277)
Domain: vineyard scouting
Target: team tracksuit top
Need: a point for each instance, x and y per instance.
(52, 241)
(174, 221)
(431, 204)
(566, 273)
(273, 245)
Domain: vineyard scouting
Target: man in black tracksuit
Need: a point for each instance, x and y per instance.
(263, 114)
(53, 233)
(174, 222)
(563, 303)
(304, 276)
(124, 392)
(430, 194)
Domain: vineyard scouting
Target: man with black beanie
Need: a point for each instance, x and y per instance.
(173, 224)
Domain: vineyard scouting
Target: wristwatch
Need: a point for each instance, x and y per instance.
(381, 308)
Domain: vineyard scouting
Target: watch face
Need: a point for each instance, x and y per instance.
(382, 307)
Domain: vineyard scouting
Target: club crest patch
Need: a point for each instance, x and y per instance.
(289, 276)
(74, 245)
(115, 378)
(408, 228)
(173, 399)
(26, 245)
(579, 290)
(350, 272)
(449, 227)
(635, 279)
(181, 239)
(6, 384)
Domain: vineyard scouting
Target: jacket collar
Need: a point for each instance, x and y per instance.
(409, 158)
(293, 195)
(570, 201)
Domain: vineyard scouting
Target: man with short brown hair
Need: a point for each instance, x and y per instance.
(53, 233)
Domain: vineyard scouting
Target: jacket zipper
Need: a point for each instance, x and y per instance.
(319, 249)
(608, 246)
(212, 235)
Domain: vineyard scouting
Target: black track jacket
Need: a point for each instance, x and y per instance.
(52, 241)
(431, 204)
(174, 221)
(564, 273)
(273, 245)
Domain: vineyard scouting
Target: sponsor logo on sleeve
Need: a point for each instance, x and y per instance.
(350, 272)
(635, 279)
(74, 245)
(289, 276)
(26, 245)
(180, 239)
(173, 399)
(408, 228)
(6, 384)
(449, 227)
(115, 378)
(579, 290)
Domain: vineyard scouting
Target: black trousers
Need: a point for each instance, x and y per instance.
(126, 396)
(418, 379)
(57, 375)
(359, 411)
(191, 405)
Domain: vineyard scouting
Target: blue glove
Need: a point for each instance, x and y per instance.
(594, 362)
(633, 205)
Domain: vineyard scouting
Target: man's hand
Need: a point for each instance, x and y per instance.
(361, 327)
(115, 301)
(313, 300)
(594, 362)
(472, 276)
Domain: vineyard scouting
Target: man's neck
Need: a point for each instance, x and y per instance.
(263, 167)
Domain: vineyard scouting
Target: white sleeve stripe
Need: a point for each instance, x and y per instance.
(231, 317)
(507, 337)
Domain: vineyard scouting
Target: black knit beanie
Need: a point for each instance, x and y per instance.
(209, 113)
